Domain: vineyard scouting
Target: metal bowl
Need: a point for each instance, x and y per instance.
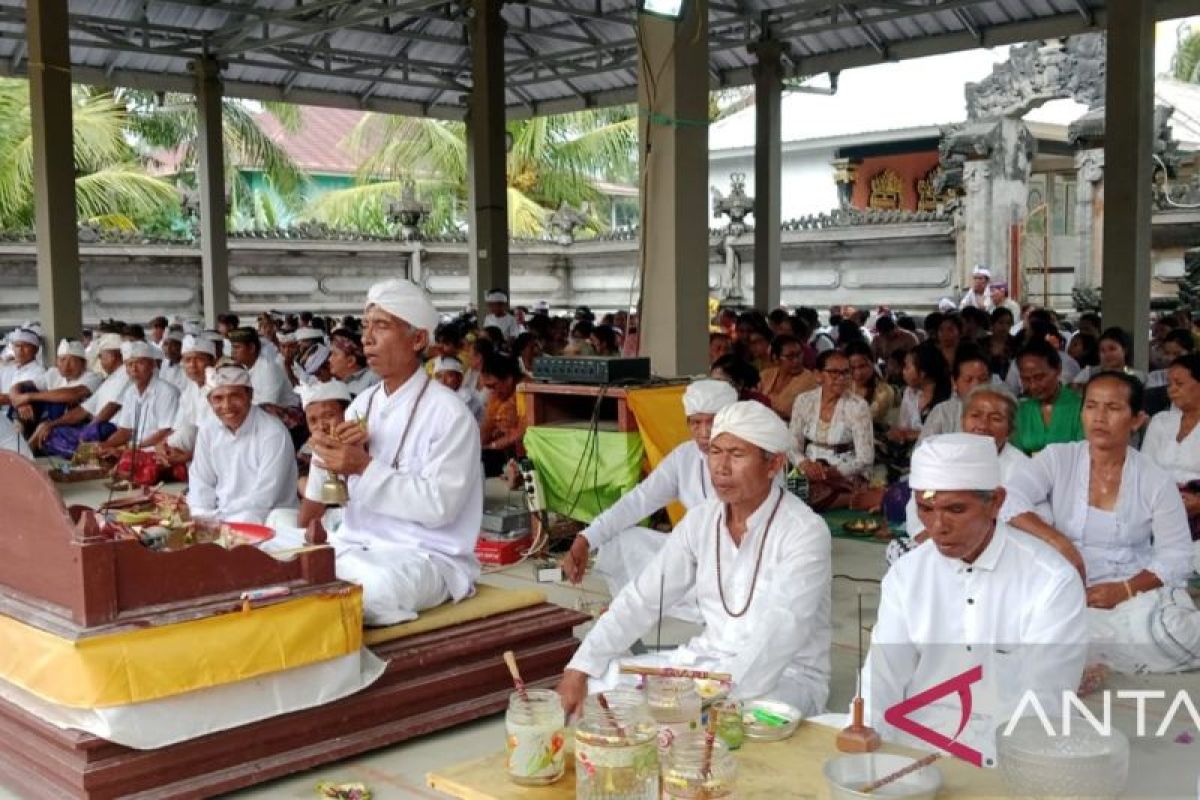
(756, 712)
(1084, 764)
(848, 774)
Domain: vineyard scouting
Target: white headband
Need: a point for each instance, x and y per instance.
(404, 299)
(174, 335)
(308, 334)
(227, 375)
(318, 392)
(954, 462)
(753, 422)
(132, 350)
(708, 397)
(24, 336)
(495, 297)
(191, 344)
(447, 364)
(70, 348)
(108, 341)
(980, 269)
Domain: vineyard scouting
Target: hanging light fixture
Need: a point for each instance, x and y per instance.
(667, 9)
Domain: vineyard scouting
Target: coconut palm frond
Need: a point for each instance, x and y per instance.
(287, 114)
(98, 125)
(401, 147)
(249, 146)
(118, 222)
(362, 208)
(123, 189)
(526, 218)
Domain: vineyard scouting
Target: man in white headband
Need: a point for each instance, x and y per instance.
(412, 466)
(978, 295)
(65, 386)
(758, 559)
(498, 314)
(198, 356)
(244, 465)
(170, 369)
(148, 404)
(24, 371)
(91, 420)
(982, 594)
(624, 547)
(449, 372)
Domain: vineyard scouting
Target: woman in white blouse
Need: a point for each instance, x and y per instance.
(834, 439)
(1116, 351)
(1173, 438)
(1118, 519)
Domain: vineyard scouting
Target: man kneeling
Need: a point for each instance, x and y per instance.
(759, 561)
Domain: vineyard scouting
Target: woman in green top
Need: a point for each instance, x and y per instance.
(1049, 412)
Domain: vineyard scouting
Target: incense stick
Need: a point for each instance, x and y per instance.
(612, 718)
(900, 773)
(511, 660)
(710, 738)
(662, 587)
(674, 672)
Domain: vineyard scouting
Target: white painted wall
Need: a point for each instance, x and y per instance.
(806, 181)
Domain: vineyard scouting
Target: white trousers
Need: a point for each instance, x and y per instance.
(621, 558)
(1155, 632)
(397, 581)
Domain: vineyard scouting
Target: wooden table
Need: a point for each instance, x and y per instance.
(777, 771)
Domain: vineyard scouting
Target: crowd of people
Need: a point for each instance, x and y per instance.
(1007, 436)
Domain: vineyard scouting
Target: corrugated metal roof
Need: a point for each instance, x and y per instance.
(411, 56)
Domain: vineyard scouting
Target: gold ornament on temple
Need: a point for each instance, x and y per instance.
(887, 190)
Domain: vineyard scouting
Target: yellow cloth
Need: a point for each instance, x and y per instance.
(151, 663)
(487, 602)
(662, 424)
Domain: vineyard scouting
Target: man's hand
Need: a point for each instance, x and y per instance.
(17, 398)
(1107, 595)
(38, 439)
(338, 456)
(572, 689)
(352, 433)
(25, 412)
(574, 563)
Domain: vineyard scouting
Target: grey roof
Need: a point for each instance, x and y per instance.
(411, 56)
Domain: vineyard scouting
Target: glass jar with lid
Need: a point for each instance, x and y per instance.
(535, 732)
(686, 776)
(616, 756)
(675, 705)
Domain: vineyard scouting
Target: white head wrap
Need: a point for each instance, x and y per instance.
(318, 392)
(495, 297)
(954, 462)
(708, 397)
(132, 350)
(980, 269)
(308, 334)
(226, 375)
(69, 348)
(192, 329)
(541, 305)
(946, 305)
(315, 360)
(285, 338)
(109, 341)
(404, 299)
(25, 336)
(174, 335)
(191, 344)
(447, 364)
(755, 423)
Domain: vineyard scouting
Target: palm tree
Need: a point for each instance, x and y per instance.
(111, 187)
(1185, 65)
(552, 160)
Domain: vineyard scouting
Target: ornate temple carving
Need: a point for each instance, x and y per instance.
(1037, 72)
(887, 190)
(736, 206)
(566, 220)
(928, 195)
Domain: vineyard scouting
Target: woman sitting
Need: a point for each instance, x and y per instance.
(1118, 518)
(867, 383)
(742, 375)
(1049, 412)
(835, 443)
(1172, 440)
(787, 379)
(1114, 354)
(927, 381)
(502, 428)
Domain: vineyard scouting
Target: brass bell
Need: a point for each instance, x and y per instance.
(334, 491)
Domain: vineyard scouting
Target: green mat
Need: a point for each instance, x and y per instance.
(836, 519)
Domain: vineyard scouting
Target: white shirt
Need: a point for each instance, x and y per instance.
(682, 475)
(271, 384)
(783, 637)
(850, 424)
(240, 476)
(433, 500)
(193, 411)
(471, 398)
(981, 301)
(1151, 531)
(174, 375)
(945, 417)
(111, 391)
(11, 375)
(360, 381)
(507, 325)
(55, 380)
(152, 410)
(1180, 459)
(910, 410)
(1018, 611)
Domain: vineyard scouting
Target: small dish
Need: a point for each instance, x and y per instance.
(770, 720)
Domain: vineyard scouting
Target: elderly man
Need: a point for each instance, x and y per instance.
(90, 421)
(199, 356)
(65, 386)
(448, 371)
(243, 465)
(410, 451)
(624, 548)
(498, 315)
(983, 595)
(978, 295)
(148, 404)
(271, 387)
(758, 559)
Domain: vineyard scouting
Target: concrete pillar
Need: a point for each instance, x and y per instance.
(487, 153)
(210, 178)
(768, 94)
(1128, 148)
(59, 285)
(1089, 173)
(673, 139)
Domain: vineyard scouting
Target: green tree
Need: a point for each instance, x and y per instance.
(112, 188)
(552, 160)
(1185, 65)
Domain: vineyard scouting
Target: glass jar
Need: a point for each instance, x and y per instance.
(616, 756)
(685, 777)
(727, 720)
(535, 733)
(675, 705)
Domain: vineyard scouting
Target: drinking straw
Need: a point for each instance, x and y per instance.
(900, 773)
(511, 660)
